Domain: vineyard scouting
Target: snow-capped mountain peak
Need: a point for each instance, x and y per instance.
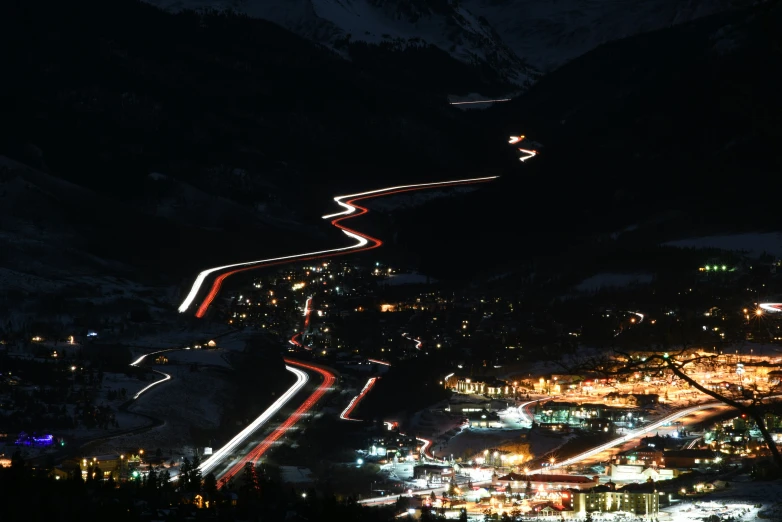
(442, 23)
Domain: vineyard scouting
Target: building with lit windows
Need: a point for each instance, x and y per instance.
(481, 386)
(544, 482)
(433, 474)
(690, 458)
(115, 466)
(604, 499)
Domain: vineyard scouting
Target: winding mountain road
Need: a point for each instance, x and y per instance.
(363, 242)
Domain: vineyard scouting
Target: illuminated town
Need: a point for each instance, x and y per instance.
(391, 260)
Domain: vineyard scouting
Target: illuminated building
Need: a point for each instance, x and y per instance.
(545, 482)
(643, 501)
(432, 474)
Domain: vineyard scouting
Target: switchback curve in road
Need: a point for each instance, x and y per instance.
(352, 210)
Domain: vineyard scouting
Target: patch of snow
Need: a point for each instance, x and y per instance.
(188, 399)
(754, 244)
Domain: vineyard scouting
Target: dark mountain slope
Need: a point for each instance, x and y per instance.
(684, 121)
(121, 87)
(101, 94)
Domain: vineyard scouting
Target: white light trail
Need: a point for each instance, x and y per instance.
(360, 242)
(307, 306)
(529, 153)
(521, 408)
(771, 307)
(349, 209)
(426, 445)
(165, 378)
(626, 438)
(481, 101)
(345, 415)
(218, 456)
(417, 341)
(639, 315)
(378, 361)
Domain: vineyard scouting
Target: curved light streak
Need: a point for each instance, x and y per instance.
(626, 438)
(529, 153)
(417, 341)
(523, 409)
(378, 361)
(257, 452)
(771, 307)
(363, 242)
(576, 459)
(218, 456)
(639, 315)
(295, 342)
(345, 415)
(307, 311)
(166, 377)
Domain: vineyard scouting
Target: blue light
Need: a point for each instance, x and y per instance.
(32, 440)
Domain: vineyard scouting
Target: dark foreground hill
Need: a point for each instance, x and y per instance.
(683, 122)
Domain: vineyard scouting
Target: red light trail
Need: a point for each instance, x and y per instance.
(345, 415)
(259, 450)
(366, 242)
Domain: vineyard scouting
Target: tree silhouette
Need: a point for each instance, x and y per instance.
(210, 487)
(752, 401)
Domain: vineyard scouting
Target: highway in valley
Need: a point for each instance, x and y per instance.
(312, 381)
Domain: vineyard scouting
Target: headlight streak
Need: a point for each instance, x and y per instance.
(529, 153)
(417, 342)
(218, 456)
(363, 242)
(771, 307)
(345, 415)
(165, 378)
(639, 315)
(259, 450)
(621, 440)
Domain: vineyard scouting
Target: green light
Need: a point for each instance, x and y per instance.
(724, 267)
(665, 356)
(135, 474)
(708, 268)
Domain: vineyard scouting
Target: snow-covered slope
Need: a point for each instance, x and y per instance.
(443, 23)
(548, 33)
(516, 38)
